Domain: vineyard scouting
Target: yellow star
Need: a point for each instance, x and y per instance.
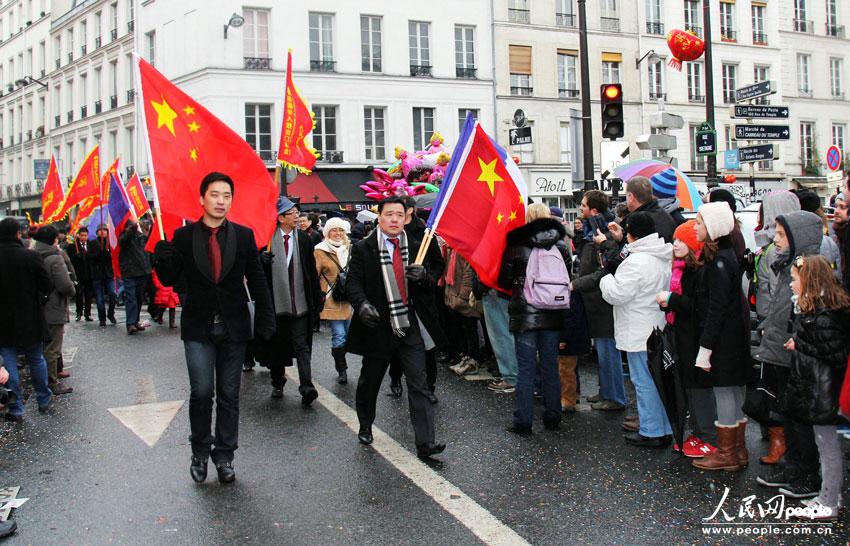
(189, 110)
(165, 115)
(488, 174)
(193, 127)
(499, 218)
(512, 217)
(520, 200)
(193, 153)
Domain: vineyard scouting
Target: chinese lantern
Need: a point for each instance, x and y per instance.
(685, 46)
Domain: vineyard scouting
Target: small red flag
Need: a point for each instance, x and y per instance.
(297, 124)
(52, 196)
(187, 142)
(137, 196)
(85, 185)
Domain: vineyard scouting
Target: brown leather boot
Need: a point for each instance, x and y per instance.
(741, 444)
(777, 446)
(725, 457)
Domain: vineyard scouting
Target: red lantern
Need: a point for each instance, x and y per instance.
(685, 46)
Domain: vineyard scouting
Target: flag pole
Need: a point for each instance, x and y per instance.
(140, 108)
(423, 247)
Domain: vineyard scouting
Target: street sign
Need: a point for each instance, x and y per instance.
(755, 90)
(753, 111)
(835, 177)
(519, 118)
(613, 154)
(833, 158)
(520, 135)
(731, 160)
(762, 152)
(762, 132)
(40, 168)
(706, 143)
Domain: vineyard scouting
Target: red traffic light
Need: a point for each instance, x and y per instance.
(612, 91)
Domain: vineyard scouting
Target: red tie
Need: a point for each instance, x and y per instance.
(215, 254)
(398, 269)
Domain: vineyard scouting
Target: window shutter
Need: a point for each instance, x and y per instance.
(520, 59)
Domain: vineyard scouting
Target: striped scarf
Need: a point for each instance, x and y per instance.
(398, 309)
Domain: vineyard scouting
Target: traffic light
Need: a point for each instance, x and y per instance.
(612, 110)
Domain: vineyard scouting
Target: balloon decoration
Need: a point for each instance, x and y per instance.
(685, 46)
(413, 173)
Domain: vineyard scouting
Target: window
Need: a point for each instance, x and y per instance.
(520, 67)
(42, 58)
(70, 44)
(131, 13)
(255, 34)
(653, 17)
(807, 145)
(461, 116)
(96, 86)
(84, 92)
(764, 165)
(564, 141)
(564, 13)
(838, 137)
(656, 80)
(835, 76)
(97, 30)
(801, 22)
(692, 16)
(258, 129)
(113, 78)
(518, 12)
(567, 78)
(832, 28)
(698, 162)
(609, 19)
(113, 12)
(730, 82)
(84, 39)
(759, 34)
(803, 74)
(695, 82)
(324, 133)
(150, 46)
(729, 133)
(131, 146)
(727, 22)
(420, 48)
(321, 42)
(57, 50)
(761, 73)
(373, 131)
(370, 43)
(464, 51)
(611, 67)
(423, 127)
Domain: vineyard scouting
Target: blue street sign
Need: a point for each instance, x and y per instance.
(730, 160)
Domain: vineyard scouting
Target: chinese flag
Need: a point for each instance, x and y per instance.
(52, 196)
(170, 222)
(136, 194)
(187, 142)
(85, 185)
(297, 124)
(482, 198)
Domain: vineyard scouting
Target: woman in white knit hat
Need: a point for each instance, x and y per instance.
(723, 335)
(331, 259)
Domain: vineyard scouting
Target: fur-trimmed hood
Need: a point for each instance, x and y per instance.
(540, 233)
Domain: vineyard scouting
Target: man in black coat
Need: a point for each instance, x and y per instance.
(99, 258)
(24, 287)
(78, 252)
(135, 270)
(217, 258)
(290, 268)
(639, 198)
(392, 319)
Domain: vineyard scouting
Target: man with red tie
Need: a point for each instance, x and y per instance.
(392, 318)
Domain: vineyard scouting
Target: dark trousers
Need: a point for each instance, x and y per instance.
(215, 368)
(470, 334)
(83, 299)
(100, 287)
(297, 331)
(537, 349)
(801, 452)
(410, 354)
(430, 369)
(134, 298)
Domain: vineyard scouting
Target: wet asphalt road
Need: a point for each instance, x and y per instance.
(302, 477)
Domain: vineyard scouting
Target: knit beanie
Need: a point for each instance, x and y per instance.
(687, 233)
(640, 224)
(718, 219)
(809, 200)
(336, 223)
(720, 194)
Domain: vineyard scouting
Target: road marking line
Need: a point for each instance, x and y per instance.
(68, 355)
(148, 421)
(469, 513)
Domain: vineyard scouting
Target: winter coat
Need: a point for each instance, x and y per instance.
(78, 252)
(99, 256)
(599, 313)
(829, 250)
(575, 335)
(458, 293)
(56, 306)
(165, 296)
(632, 289)
(845, 256)
(665, 226)
(723, 318)
(133, 261)
(819, 363)
(541, 233)
(774, 203)
(328, 265)
(685, 330)
(805, 232)
(24, 286)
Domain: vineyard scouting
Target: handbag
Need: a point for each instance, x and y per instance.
(762, 403)
(251, 309)
(337, 289)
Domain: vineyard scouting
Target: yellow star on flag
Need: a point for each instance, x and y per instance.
(520, 199)
(193, 153)
(512, 217)
(165, 115)
(193, 127)
(189, 110)
(499, 218)
(488, 175)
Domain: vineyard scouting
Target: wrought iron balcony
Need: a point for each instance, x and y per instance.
(521, 91)
(802, 25)
(98, 106)
(565, 20)
(835, 31)
(131, 24)
(610, 24)
(266, 155)
(657, 95)
(694, 29)
(759, 38)
(466, 72)
(569, 93)
(420, 70)
(84, 112)
(519, 16)
(70, 57)
(654, 27)
(113, 101)
(729, 97)
(131, 96)
(97, 42)
(257, 63)
(331, 156)
(58, 63)
(113, 34)
(728, 35)
(696, 98)
(57, 120)
(70, 116)
(322, 66)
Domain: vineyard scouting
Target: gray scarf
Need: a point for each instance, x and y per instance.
(398, 309)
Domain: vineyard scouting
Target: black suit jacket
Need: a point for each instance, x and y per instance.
(78, 252)
(99, 257)
(239, 260)
(365, 284)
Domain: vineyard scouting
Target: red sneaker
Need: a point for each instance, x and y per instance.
(697, 449)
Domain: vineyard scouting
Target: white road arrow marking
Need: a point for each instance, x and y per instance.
(148, 421)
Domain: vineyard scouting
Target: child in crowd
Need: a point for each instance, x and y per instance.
(165, 298)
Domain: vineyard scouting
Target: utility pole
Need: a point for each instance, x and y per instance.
(587, 128)
(711, 174)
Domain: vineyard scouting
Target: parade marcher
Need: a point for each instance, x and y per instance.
(290, 268)
(56, 307)
(218, 259)
(24, 285)
(639, 198)
(135, 269)
(392, 320)
(99, 256)
(332, 256)
(78, 252)
(819, 346)
(724, 335)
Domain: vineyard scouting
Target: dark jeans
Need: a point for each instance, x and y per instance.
(134, 298)
(83, 299)
(430, 370)
(108, 286)
(214, 367)
(298, 330)
(34, 355)
(470, 333)
(530, 345)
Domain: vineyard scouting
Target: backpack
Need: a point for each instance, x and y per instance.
(547, 280)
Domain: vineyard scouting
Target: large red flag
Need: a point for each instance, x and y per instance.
(137, 196)
(52, 196)
(88, 207)
(84, 186)
(186, 142)
(297, 124)
(170, 222)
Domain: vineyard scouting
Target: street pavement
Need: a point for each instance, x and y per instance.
(302, 477)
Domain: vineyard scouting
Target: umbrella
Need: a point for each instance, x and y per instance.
(667, 181)
(665, 369)
(426, 200)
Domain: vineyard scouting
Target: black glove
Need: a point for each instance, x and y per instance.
(369, 315)
(416, 273)
(164, 250)
(613, 263)
(266, 257)
(266, 333)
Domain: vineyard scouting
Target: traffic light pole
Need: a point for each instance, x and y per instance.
(711, 174)
(587, 127)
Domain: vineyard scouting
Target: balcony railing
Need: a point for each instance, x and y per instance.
(266, 155)
(695, 29)
(131, 96)
(331, 156)
(522, 91)
(97, 42)
(519, 16)
(696, 98)
(131, 24)
(569, 93)
(83, 50)
(760, 38)
(835, 31)
(70, 116)
(57, 120)
(98, 106)
(805, 91)
(728, 35)
(70, 57)
(113, 101)
(29, 134)
(657, 95)
(420, 70)
(802, 25)
(113, 34)
(654, 27)
(565, 20)
(610, 24)
(728, 97)
(257, 63)
(84, 112)
(466, 72)
(322, 66)
(43, 72)
(58, 63)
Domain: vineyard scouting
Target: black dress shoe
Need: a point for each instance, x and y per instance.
(638, 439)
(198, 469)
(432, 398)
(133, 329)
(226, 474)
(308, 397)
(79, 318)
(103, 323)
(112, 319)
(519, 431)
(365, 435)
(343, 377)
(425, 451)
(277, 392)
(395, 389)
(12, 418)
(89, 319)
(8, 527)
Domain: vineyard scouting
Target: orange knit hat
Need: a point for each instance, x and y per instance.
(687, 233)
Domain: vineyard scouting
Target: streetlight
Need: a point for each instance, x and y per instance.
(235, 21)
(26, 80)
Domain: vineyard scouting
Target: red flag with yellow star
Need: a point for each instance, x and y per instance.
(481, 199)
(84, 186)
(297, 124)
(187, 142)
(52, 196)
